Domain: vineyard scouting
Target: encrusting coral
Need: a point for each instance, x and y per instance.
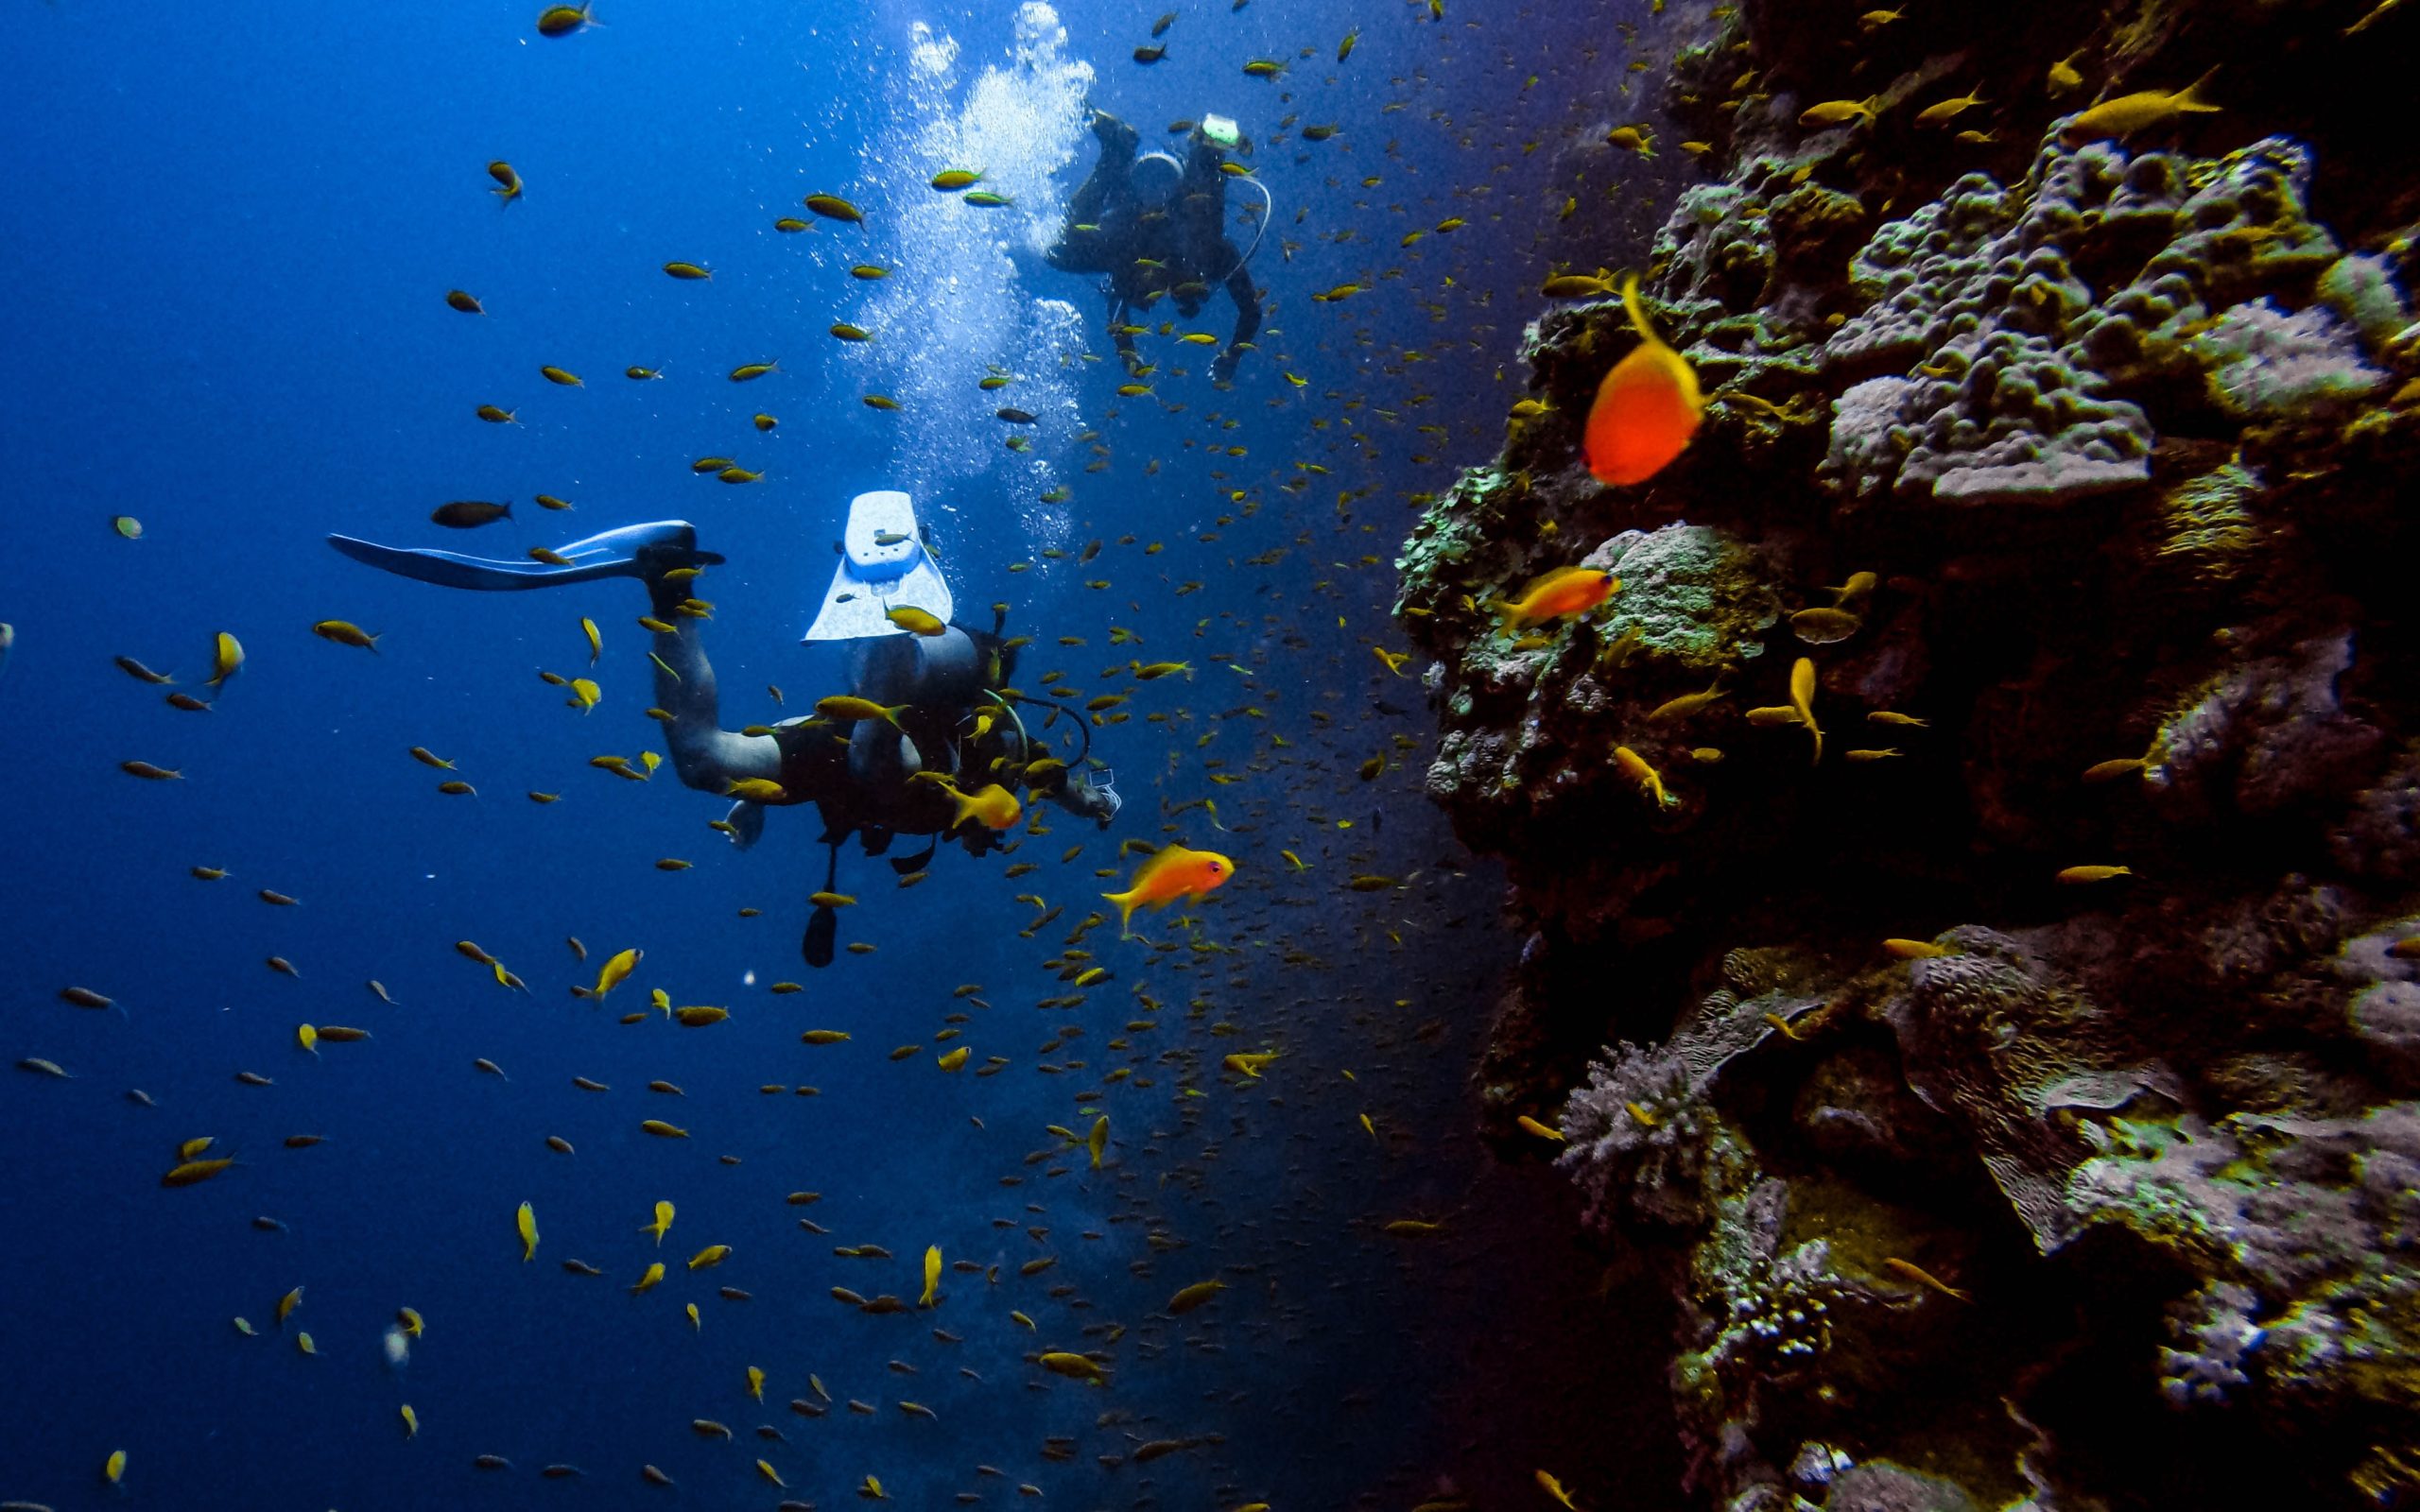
(2017, 1085)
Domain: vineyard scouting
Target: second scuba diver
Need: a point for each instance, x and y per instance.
(928, 741)
(1158, 229)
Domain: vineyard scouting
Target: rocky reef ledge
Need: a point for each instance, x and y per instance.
(2017, 1083)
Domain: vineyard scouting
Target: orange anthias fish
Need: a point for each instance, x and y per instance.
(1564, 591)
(1646, 408)
(1173, 872)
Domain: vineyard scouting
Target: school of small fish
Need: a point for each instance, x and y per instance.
(1297, 836)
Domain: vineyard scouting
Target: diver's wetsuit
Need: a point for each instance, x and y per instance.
(1147, 250)
(957, 717)
(859, 776)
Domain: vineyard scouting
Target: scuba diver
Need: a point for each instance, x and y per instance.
(934, 724)
(1156, 227)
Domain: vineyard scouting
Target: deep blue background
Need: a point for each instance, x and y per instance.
(229, 236)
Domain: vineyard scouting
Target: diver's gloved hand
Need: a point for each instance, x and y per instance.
(1097, 801)
(664, 557)
(747, 824)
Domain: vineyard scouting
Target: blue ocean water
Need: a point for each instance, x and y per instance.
(230, 237)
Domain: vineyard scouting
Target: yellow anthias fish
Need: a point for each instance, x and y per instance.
(595, 642)
(1098, 1140)
(1801, 699)
(2130, 113)
(526, 1221)
(2073, 875)
(1173, 872)
(344, 632)
(615, 970)
(1836, 112)
(647, 1283)
(916, 621)
(662, 1222)
(932, 1276)
(993, 806)
(1248, 1063)
(711, 1256)
(113, 1470)
(1650, 782)
(842, 707)
(227, 657)
(1074, 1366)
(757, 1383)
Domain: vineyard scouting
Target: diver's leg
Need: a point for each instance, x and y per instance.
(1239, 288)
(1109, 185)
(882, 668)
(612, 554)
(706, 755)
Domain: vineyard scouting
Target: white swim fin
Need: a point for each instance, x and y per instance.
(884, 566)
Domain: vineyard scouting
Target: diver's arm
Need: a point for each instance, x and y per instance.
(1087, 800)
(706, 756)
(1247, 323)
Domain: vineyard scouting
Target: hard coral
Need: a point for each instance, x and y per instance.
(2264, 734)
(2309, 1229)
(2038, 329)
(2267, 364)
(1691, 593)
(1995, 1040)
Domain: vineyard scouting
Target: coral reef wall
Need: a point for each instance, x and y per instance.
(2013, 1070)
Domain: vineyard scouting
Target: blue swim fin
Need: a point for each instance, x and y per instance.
(634, 551)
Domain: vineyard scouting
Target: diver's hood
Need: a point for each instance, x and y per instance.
(884, 566)
(1154, 177)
